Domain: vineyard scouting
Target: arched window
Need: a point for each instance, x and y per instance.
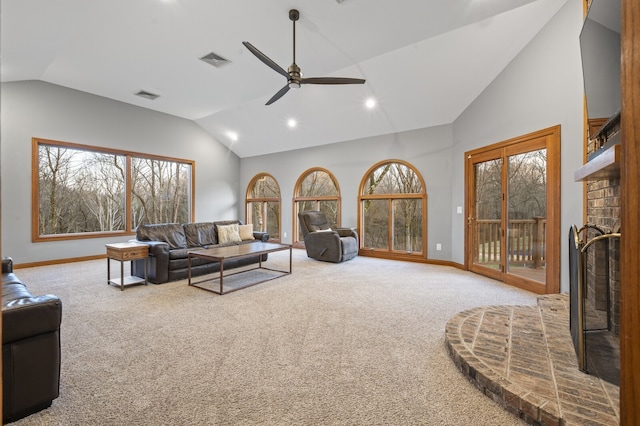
(316, 189)
(392, 212)
(263, 205)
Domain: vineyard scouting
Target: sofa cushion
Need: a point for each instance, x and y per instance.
(246, 232)
(200, 234)
(170, 233)
(228, 234)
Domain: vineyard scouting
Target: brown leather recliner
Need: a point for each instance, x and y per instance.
(322, 242)
(30, 347)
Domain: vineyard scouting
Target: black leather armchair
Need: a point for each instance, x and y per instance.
(30, 347)
(322, 242)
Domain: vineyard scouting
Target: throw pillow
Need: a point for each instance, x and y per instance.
(228, 234)
(246, 232)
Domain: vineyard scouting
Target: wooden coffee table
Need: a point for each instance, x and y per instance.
(226, 253)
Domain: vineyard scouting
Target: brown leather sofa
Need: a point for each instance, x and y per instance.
(30, 347)
(170, 243)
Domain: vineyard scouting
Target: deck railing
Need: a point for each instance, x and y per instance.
(526, 241)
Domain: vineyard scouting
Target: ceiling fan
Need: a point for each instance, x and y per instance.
(293, 76)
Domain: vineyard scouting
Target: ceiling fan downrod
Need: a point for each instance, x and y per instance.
(294, 70)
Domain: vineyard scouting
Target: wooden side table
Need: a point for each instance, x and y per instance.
(126, 252)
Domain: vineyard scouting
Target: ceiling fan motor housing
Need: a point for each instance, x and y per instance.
(294, 76)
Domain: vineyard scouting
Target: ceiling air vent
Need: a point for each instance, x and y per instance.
(147, 95)
(215, 60)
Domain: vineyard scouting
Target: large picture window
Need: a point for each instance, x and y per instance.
(392, 214)
(81, 191)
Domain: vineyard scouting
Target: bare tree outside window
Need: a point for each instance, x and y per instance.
(160, 191)
(81, 190)
(263, 205)
(392, 202)
(317, 189)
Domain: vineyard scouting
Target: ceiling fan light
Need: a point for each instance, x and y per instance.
(294, 85)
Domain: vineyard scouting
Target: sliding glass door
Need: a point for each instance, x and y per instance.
(509, 186)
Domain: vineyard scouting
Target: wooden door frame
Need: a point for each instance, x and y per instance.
(554, 239)
(630, 220)
(470, 213)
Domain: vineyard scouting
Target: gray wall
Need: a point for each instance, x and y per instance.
(542, 87)
(428, 150)
(37, 109)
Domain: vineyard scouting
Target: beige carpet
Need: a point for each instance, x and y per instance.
(357, 343)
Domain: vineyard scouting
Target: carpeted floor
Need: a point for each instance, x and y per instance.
(356, 343)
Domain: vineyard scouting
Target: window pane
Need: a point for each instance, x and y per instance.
(330, 209)
(257, 219)
(273, 220)
(407, 225)
(265, 217)
(393, 178)
(303, 206)
(318, 184)
(79, 191)
(487, 234)
(527, 206)
(376, 224)
(160, 191)
(265, 187)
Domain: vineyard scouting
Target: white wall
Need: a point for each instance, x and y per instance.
(428, 150)
(37, 109)
(542, 87)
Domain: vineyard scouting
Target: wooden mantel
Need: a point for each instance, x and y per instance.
(604, 166)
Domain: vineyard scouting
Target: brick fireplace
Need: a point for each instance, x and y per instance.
(603, 257)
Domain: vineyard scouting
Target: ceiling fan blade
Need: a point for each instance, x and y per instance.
(278, 95)
(265, 59)
(331, 80)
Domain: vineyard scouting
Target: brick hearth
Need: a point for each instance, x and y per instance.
(522, 357)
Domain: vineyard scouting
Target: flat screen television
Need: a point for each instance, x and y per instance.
(600, 50)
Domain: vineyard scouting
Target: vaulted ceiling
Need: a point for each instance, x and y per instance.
(424, 61)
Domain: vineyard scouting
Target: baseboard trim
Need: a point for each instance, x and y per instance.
(58, 261)
(460, 266)
(104, 256)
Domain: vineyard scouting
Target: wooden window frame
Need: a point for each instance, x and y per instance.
(298, 198)
(35, 189)
(249, 199)
(390, 253)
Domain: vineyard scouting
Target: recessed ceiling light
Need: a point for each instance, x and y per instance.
(292, 123)
(233, 136)
(370, 103)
